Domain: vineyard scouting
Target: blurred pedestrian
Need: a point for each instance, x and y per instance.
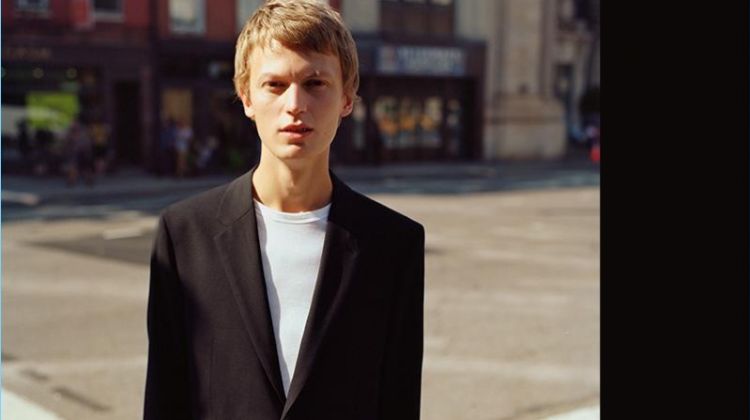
(100, 140)
(24, 143)
(183, 138)
(41, 152)
(205, 155)
(79, 154)
(167, 156)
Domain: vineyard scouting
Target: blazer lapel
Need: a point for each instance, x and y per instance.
(240, 255)
(338, 261)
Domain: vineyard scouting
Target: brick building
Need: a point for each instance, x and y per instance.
(68, 58)
(445, 80)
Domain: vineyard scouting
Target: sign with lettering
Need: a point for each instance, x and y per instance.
(421, 61)
(26, 53)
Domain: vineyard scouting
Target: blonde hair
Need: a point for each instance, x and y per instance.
(302, 25)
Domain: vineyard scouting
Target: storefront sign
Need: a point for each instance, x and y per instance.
(421, 61)
(26, 54)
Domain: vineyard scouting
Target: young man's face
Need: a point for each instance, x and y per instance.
(297, 100)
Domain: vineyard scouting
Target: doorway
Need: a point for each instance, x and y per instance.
(127, 123)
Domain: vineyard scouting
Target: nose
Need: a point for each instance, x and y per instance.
(296, 102)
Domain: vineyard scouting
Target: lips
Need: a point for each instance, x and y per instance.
(296, 129)
(296, 133)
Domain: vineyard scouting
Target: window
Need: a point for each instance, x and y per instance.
(417, 17)
(32, 5)
(186, 16)
(108, 9)
(111, 6)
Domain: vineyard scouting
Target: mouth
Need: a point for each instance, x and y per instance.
(296, 132)
(296, 129)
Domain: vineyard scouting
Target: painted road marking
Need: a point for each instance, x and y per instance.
(122, 233)
(588, 413)
(26, 199)
(16, 407)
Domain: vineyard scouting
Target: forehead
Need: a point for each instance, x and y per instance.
(277, 58)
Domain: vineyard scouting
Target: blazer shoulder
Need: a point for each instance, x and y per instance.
(201, 206)
(386, 218)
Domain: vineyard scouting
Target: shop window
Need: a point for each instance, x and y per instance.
(409, 122)
(177, 104)
(429, 124)
(107, 9)
(187, 16)
(409, 115)
(417, 17)
(387, 121)
(32, 5)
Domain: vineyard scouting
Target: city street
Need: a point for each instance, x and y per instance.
(511, 306)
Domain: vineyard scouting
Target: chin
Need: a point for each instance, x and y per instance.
(291, 152)
(298, 154)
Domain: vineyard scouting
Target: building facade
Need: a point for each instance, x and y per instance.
(68, 59)
(441, 80)
(518, 70)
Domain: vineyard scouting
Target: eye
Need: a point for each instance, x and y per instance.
(273, 85)
(315, 83)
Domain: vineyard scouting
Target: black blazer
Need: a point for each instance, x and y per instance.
(212, 352)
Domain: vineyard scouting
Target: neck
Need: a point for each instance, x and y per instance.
(292, 188)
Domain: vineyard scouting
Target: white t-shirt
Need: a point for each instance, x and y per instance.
(291, 246)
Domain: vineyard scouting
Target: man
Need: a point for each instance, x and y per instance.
(285, 294)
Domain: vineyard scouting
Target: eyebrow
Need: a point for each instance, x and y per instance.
(311, 73)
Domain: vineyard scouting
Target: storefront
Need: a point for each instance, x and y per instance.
(419, 103)
(48, 86)
(196, 90)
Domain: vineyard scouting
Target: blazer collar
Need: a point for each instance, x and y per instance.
(241, 258)
(240, 255)
(340, 253)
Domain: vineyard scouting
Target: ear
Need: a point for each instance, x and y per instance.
(348, 106)
(247, 105)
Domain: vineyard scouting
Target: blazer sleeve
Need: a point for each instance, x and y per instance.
(166, 395)
(401, 382)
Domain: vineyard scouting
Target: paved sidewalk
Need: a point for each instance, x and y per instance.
(24, 190)
(16, 407)
(511, 304)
